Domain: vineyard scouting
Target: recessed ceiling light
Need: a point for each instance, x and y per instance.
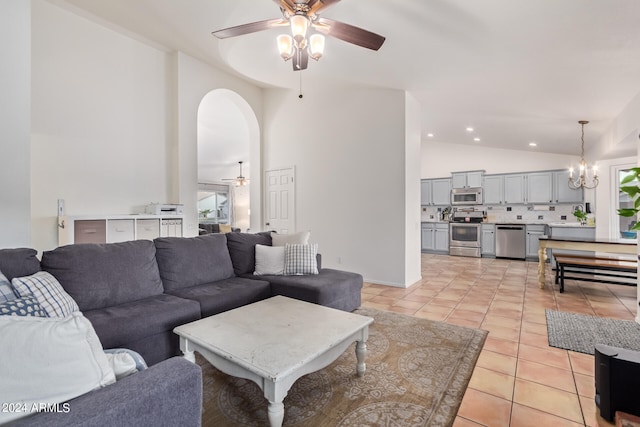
(430, 135)
(469, 129)
(476, 139)
(533, 144)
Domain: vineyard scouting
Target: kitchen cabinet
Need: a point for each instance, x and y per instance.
(466, 179)
(534, 231)
(539, 187)
(441, 238)
(493, 189)
(117, 228)
(562, 193)
(435, 237)
(514, 188)
(435, 192)
(488, 239)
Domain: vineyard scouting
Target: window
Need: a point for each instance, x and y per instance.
(213, 203)
(624, 201)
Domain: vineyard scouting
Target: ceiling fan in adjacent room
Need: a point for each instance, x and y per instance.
(240, 180)
(300, 15)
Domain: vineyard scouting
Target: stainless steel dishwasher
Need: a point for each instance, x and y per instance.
(511, 241)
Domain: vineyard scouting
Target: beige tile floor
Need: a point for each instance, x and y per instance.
(518, 380)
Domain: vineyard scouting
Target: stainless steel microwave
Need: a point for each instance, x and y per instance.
(466, 196)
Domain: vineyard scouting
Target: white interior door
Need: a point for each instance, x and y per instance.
(280, 201)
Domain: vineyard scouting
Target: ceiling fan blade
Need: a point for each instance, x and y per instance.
(287, 5)
(317, 6)
(349, 33)
(300, 60)
(252, 27)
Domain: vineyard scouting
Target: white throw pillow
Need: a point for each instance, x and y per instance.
(48, 291)
(48, 361)
(269, 260)
(300, 238)
(122, 364)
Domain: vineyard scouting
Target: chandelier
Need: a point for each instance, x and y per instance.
(298, 46)
(583, 180)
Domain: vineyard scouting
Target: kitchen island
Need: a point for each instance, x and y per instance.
(616, 246)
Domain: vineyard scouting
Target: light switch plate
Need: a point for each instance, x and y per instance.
(60, 207)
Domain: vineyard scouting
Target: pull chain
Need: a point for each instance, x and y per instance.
(300, 96)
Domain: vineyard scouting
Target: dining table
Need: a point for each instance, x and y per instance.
(602, 245)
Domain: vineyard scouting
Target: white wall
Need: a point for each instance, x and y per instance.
(348, 148)
(114, 122)
(440, 159)
(100, 132)
(194, 80)
(15, 122)
(621, 139)
(413, 261)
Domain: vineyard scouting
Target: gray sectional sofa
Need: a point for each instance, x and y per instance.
(135, 293)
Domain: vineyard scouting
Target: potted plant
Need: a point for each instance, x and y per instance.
(580, 215)
(633, 191)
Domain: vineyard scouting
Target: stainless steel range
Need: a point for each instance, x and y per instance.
(464, 232)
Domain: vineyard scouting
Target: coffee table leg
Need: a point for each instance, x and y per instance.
(276, 414)
(187, 351)
(361, 353)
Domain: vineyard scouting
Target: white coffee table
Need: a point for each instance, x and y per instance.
(274, 342)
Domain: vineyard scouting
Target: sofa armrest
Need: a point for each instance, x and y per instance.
(166, 394)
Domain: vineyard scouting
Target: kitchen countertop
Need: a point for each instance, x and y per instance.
(519, 222)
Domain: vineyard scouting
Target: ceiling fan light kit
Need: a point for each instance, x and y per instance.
(300, 15)
(240, 180)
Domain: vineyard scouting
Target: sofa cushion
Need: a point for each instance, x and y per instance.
(51, 360)
(18, 262)
(226, 294)
(49, 293)
(118, 325)
(331, 288)
(242, 250)
(185, 262)
(104, 275)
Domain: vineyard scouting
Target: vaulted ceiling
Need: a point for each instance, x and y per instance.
(517, 71)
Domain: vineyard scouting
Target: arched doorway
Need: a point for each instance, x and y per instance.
(228, 133)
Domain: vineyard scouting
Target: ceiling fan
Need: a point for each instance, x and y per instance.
(300, 15)
(240, 180)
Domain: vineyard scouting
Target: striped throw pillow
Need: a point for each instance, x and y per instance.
(48, 291)
(6, 291)
(300, 259)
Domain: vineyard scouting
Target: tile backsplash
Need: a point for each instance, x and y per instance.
(515, 213)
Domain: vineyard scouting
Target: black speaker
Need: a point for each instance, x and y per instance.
(617, 377)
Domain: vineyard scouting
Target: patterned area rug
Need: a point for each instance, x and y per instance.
(417, 373)
(580, 332)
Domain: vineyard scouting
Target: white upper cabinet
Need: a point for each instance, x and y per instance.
(435, 192)
(441, 192)
(493, 189)
(562, 193)
(514, 188)
(466, 179)
(539, 187)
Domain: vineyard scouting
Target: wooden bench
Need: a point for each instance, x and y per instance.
(611, 267)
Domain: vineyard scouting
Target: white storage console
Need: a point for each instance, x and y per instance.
(117, 228)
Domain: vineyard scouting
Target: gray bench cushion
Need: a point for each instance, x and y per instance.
(132, 321)
(18, 262)
(104, 275)
(225, 294)
(186, 262)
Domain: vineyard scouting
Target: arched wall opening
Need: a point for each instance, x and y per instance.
(228, 133)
